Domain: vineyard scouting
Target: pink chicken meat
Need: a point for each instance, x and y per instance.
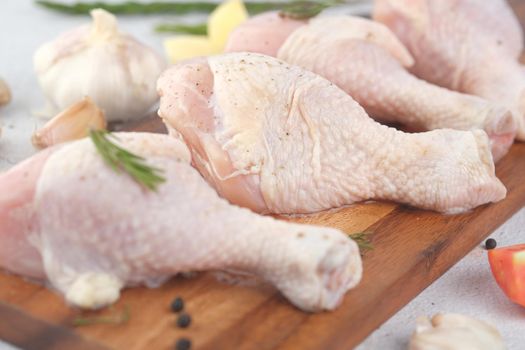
(367, 61)
(279, 139)
(70, 219)
(472, 46)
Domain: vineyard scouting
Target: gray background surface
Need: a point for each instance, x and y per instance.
(467, 288)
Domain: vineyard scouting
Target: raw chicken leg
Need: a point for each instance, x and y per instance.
(367, 61)
(276, 138)
(472, 46)
(264, 33)
(71, 219)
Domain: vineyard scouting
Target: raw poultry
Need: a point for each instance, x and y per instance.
(365, 59)
(472, 46)
(71, 219)
(279, 139)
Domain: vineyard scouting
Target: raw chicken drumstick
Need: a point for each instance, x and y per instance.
(472, 46)
(365, 59)
(279, 139)
(67, 217)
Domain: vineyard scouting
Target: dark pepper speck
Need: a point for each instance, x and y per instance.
(183, 344)
(490, 244)
(177, 304)
(183, 320)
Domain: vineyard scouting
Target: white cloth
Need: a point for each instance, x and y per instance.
(467, 288)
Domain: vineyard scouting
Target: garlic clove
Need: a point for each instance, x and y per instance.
(73, 123)
(454, 332)
(423, 324)
(104, 25)
(5, 93)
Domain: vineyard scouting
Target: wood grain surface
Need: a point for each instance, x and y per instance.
(412, 248)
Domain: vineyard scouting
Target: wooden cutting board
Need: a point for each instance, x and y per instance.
(412, 248)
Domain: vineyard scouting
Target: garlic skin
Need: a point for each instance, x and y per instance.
(5, 93)
(72, 124)
(114, 69)
(455, 332)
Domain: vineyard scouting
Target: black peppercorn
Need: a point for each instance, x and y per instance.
(490, 243)
(183, 344)
(177, 304)
(183, 320)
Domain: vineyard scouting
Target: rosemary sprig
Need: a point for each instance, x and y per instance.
(120, 159)
(154, 7)
(363, 241)
(297, 9)
(196, 29)
(119, 319)
(304, 9)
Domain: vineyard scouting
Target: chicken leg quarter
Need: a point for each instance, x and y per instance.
(365, 59)
(472, 46)
(277, 138)
(70, 218)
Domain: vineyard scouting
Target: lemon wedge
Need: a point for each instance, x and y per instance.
(225, 18)
(187, 46)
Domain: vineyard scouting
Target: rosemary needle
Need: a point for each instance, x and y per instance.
(120, 159)
(196, 29)
(362, 240)
(114, 319)
(304, 9)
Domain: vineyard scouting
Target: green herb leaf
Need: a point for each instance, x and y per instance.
(153, 7)
(197, 29)
(363, 240)
(304, 9)
(120, 160)
(119, 319)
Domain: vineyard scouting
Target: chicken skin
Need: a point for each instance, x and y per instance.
(471, 46)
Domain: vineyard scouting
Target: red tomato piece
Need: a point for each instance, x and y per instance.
(508, 267)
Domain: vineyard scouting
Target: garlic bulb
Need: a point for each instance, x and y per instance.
(72, 124)
(455, 332)
(117, 72)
